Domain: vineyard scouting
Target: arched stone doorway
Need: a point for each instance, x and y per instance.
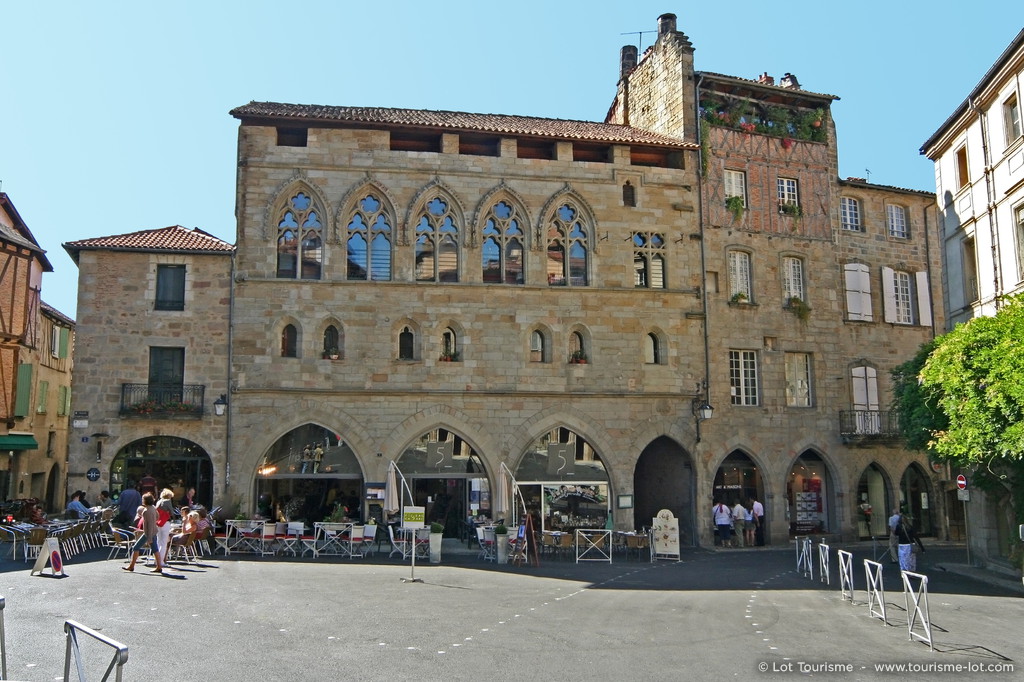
(738, 479)
(447, 478)
(663, 479)
(51, 488)
(873, 503)
(916, 498)
(810, 496)
(564, 482)
(176, 463)
(307, 473)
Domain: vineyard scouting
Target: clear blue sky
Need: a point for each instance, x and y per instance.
(115, 114)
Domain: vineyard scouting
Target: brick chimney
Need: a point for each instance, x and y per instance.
(765, 79)
(666, 24)
(627, 60)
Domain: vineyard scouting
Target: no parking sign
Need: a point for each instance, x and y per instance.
(49, 553)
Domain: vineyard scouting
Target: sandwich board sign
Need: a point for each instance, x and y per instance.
(49, 553)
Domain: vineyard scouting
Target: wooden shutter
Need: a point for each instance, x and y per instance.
(924, 300)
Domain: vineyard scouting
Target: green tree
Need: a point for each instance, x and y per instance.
(961, 399)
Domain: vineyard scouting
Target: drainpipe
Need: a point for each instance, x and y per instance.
(700, 223)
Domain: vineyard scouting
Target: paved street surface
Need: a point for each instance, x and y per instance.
(713, 615)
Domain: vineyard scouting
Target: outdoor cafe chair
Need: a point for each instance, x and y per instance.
(34, 543)
(369, 537)
(399, 545)
(486, 545)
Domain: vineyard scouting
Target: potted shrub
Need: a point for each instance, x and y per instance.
(738, 297)
(798, 307)
(331, 353)
(736, 207)
(578, 357)
(436, 534)
(501, 543)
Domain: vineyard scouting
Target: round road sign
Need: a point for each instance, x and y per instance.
(961, 482)
(93, 474)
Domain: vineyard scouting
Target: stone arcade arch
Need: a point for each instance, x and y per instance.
(306, 474)
(564, 482)
(916, 498)
(810, 495)
(663, 478)
(874, 501)
(175, 463)
(447, 478)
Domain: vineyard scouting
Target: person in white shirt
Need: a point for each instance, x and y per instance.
(758, 510)
(723, 520)
(894, 521)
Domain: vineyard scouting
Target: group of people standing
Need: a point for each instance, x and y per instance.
(741, 525)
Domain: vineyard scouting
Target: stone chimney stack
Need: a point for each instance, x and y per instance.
(765, 79)
(789, 81)
(666, 24)
(627, 60)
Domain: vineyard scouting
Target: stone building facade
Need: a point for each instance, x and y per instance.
(475, 296)
(151, 361)
(816, 288)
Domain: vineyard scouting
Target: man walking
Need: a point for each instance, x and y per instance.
(894, 522)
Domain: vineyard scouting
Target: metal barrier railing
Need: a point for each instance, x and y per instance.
(593, 545)
(919, 596)
(876, 591)
(845, 574)
(3, 641)
(117, 662)
(804, 563)
(823, 567)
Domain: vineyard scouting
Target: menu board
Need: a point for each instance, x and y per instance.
(665, 529)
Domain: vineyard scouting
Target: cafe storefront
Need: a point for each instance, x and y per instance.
(563, 483)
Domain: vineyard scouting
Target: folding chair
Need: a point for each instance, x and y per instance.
(399, 546)
(369, 537)
(486, 545)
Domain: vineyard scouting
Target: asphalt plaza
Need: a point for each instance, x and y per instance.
(713, 613)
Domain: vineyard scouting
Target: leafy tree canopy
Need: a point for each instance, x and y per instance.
(975, 379)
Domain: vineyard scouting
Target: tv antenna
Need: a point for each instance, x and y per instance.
(640, 40)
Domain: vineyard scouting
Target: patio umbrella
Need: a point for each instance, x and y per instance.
(391, 492)
(501, 495)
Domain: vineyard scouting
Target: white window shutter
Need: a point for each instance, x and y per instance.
(853, 310)
(858, 291)
(924, 300)
(889, 294)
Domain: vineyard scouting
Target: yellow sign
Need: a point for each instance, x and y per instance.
(413, 517)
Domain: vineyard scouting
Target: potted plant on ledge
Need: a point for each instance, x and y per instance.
(436, 535)
(735, 206)
(331, 353)
(577, 357)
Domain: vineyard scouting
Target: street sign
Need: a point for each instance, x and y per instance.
(961, 482)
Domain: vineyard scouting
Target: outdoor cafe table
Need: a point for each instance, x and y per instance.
(244, 536)
(333, 539)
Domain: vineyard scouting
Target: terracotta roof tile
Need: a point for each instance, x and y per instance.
(457, 120)
(174, 238)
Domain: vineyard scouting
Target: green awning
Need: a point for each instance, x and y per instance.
(18, 441)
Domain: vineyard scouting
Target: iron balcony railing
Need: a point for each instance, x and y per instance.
(868, 425)
(162, 401)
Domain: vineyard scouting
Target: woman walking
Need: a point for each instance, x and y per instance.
(147, 518)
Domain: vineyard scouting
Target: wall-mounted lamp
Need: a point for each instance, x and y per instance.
(700, 407)
(220, 405)
(98, 437)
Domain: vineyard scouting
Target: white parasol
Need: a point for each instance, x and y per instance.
(501, 494)
(391, 492)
